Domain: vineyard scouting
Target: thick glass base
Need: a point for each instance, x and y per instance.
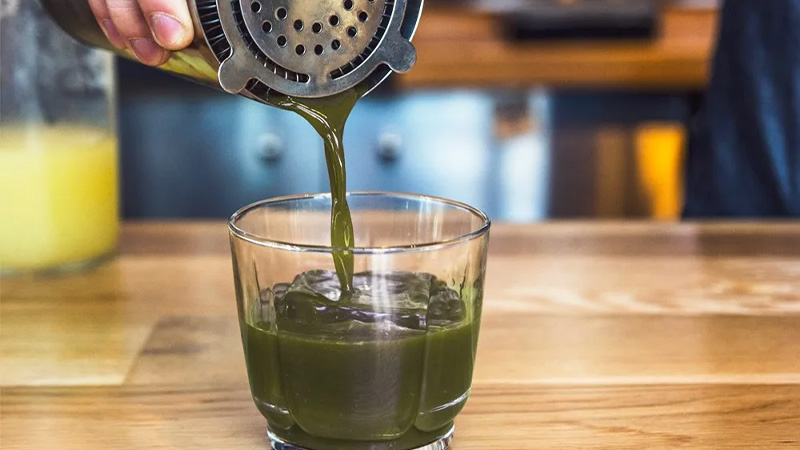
(442, 443)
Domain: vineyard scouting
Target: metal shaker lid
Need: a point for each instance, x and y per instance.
(309, 48)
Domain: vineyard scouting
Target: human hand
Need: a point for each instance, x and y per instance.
(151, 29)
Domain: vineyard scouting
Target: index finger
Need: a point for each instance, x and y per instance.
(100, 10)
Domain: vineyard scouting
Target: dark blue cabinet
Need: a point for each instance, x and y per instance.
(206, 156)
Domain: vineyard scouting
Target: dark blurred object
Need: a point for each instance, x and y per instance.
(536, 19)
(744, 156)
(616, 154)
(466, 43)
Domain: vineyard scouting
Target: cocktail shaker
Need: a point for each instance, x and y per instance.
(301, 48)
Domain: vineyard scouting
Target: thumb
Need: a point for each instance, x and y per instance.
(170, 22)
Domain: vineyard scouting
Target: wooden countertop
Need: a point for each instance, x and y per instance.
(602, 336)
(467, 47)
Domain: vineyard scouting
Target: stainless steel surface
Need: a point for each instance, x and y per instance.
(285, 58)
(196, 62)
(76, 18)
(302, 36)
(250, 47)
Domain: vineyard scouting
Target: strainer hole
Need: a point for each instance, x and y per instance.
(281, 13)
(300, 49)
(255, 6)
(348, 4)
(336, 44)
(363, 16)
(318, 49)
(266, 26)
(333, 20)
(317, 27)
(282, 41)
(352, 31)
(298, 25)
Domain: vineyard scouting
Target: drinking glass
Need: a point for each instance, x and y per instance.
(387, 365)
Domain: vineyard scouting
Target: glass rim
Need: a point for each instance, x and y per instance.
(252, 238)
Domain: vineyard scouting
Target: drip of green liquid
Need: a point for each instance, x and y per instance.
(328, 116)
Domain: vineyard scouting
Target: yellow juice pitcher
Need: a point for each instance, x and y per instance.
(58, 147)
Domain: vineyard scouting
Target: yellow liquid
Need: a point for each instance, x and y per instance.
(58, 196)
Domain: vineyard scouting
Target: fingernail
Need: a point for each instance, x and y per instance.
(167, 30)
(112, 34)
(147, 51)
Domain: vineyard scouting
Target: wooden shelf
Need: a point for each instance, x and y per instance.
(460, 47)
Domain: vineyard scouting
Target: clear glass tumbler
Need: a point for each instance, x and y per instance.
(388, 366)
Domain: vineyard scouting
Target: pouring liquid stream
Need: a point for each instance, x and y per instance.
(328, 116)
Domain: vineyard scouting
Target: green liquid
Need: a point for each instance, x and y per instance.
(348, 395)
(328, 116)
(327, 381)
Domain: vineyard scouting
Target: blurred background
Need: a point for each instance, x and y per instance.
(528, 109)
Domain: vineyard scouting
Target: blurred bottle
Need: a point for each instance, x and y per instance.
(58, 146)
(660, 154)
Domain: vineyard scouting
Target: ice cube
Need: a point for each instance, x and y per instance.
(393, 290)
(384, 301)
(318, 282)
(446, 306)
(311, 299)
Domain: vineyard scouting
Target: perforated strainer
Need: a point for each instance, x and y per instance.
(305, 48)
(315, 48)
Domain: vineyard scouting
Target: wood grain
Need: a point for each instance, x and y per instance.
(498, 417)
(595, 335)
